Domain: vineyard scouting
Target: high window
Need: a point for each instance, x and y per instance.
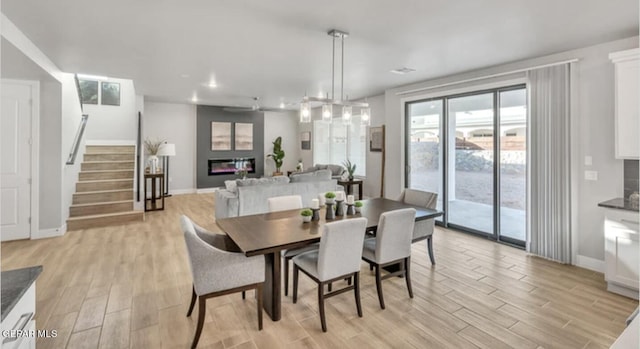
(336, 142)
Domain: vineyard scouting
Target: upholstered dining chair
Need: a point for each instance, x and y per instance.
(392, 245)
(283, 203)
(337, 258)
(217, 272)
(422, 230)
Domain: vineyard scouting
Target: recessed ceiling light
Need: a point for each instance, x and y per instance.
(281, 105)
(213, 84)
(184, 75)
(402, 71)
(194, 99)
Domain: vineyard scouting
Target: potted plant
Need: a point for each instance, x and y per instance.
(277, 155)
(152, 147)
(330, 197)
(351, 168)
(306, 215)
(358, 205)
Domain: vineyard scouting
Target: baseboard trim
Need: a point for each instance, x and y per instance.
(182, 191)
(206, 190)
(49, 233)
(590, 263)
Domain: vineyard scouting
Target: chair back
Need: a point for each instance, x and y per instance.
(419, 198)
(283, 203)
(341, 248)
(394, 235)
(198, 250)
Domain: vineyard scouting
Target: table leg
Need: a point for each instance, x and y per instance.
(271, 292)
(359, 190)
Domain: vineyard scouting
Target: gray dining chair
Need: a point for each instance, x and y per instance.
(283, 203)
(423, 230)
(392, 245)
(217, 272)
(337, 258)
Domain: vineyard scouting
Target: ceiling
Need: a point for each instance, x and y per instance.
(277, 50)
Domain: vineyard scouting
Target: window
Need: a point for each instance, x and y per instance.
(335, 143)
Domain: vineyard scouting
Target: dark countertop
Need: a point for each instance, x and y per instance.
(621, 204)
(14, 284)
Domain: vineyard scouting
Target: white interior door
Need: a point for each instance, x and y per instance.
(15, 165)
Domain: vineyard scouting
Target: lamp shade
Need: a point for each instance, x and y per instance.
(167, 149)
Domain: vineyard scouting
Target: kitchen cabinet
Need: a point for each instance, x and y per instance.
(21, 318)
(627, 124)
(621, 252)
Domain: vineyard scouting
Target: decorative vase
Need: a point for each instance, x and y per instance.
(330, 200)
(350, 178)
(153, 162)
(358, 209)
(306, 219)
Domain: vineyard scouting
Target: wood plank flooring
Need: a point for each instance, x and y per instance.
(129, 286)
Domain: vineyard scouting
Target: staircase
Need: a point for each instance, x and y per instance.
(104, 192)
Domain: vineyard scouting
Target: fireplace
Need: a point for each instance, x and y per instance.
(231, 166)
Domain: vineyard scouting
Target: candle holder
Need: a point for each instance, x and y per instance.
(330, 214)
(316, 214)
(339, 208)
(351, 210)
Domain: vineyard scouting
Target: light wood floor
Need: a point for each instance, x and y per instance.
(129, 286)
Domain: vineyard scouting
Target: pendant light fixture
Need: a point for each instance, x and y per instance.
(328, 103)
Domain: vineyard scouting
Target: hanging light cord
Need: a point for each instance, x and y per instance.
(342, 71)
(333, 66)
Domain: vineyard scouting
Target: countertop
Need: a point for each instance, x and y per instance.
(621, 204)
(14, 284)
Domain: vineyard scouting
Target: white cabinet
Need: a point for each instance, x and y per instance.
(627, 124)
(621, 252)
(21, 318)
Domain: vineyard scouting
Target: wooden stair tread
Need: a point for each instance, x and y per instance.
(103, 191)
(107, 171)
(102, 203)
(107, 180)
(104, 215)
(109, 161)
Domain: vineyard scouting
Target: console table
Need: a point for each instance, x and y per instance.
(151, 203)
(348, 185)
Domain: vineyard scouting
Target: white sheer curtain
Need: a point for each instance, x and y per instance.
(549, 233)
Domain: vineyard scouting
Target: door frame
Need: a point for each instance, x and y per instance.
(34, 206)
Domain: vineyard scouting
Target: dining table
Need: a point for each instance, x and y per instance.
(269, 233)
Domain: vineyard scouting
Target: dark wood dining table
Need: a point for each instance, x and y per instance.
(269, 233)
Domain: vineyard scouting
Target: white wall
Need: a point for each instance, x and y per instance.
(112, 123)
(592, 134)
(282, 124)
(59, 115)
(175, 123)
(372, 182)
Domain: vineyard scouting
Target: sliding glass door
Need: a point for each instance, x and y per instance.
(471, 150)
(425, 147)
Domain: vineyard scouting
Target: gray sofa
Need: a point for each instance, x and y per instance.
(249, 196)
(336, 170)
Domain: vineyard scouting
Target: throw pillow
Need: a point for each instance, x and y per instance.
(231, 186)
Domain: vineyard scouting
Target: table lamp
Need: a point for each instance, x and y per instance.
(166, 150)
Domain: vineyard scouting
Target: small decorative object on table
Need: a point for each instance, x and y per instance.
(300, 166)
(306, 215)
(350, 209)
(339, 203)
(242, 173)
(358, 206)
(152, 147)
(315, 207)
(351, 168)
(330, 214)
(330, 197)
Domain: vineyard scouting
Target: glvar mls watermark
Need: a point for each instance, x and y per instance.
(29, 333)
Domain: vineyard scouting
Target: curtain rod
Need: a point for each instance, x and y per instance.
(486, 77)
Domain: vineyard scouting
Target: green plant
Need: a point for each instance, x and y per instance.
(306, 212)
(358, 203)
(152, 145)
(351, 168)
(330, 195)
(278, 153)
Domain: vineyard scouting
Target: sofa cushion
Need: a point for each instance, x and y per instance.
(231, 186)
(320, 175)
(261, 181)
(336, 170)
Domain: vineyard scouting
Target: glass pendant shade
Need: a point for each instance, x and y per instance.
(305, 112)
(327, 113)
(346, 114)
(365, 116)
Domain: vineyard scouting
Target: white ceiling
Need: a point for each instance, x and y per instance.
(278, 49)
